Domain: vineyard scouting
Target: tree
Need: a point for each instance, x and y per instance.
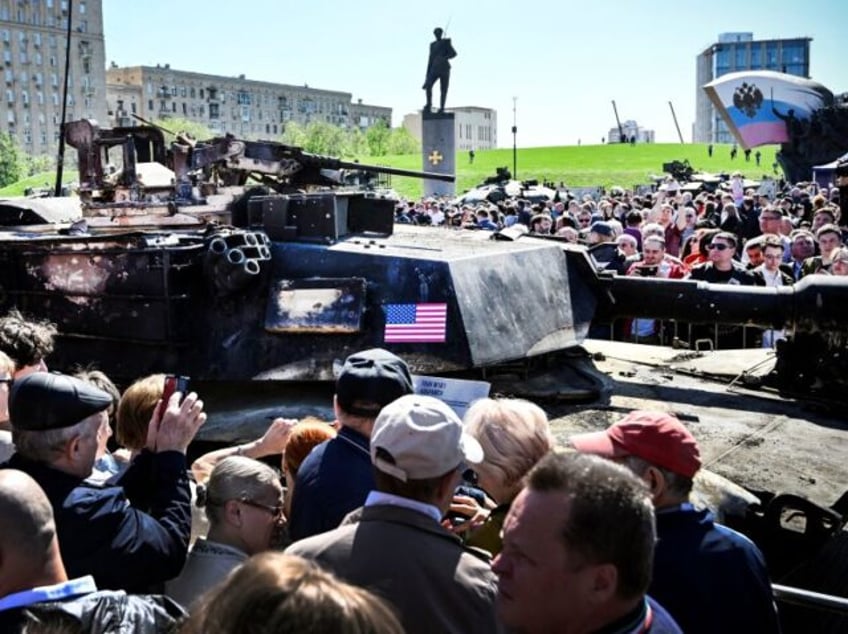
(402, 142)
(175, 125)
(377, 138)
(39, 164)
(294, 134)
(12, 161)
(324, 138)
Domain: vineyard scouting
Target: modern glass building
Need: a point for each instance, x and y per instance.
(737, 52)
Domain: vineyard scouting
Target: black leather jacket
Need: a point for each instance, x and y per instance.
(102, 612)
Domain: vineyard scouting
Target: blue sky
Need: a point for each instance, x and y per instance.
(564, 61)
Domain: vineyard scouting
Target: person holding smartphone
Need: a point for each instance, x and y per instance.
(131, 535)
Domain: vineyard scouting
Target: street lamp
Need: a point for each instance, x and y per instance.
(514, 140)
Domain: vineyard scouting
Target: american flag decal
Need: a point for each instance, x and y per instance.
(415, 323)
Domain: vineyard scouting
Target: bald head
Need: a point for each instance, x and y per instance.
(29, 552)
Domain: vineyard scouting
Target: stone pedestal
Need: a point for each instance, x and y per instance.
(438, 153)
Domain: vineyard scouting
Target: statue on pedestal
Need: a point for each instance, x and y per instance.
(438, 68)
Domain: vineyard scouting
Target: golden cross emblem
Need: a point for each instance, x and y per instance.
(435, 158)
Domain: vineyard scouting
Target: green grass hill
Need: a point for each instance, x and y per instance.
(587, 165)
(576, 166)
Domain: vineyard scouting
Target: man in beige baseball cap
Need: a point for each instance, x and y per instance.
(396, 545)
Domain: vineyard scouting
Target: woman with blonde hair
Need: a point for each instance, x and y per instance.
(515, 435)
(243, 502)
(275, 593)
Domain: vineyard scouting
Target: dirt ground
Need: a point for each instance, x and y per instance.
(757, 439)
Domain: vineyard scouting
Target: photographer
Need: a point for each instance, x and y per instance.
(653, 264)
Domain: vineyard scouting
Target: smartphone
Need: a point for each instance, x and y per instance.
(173, 383)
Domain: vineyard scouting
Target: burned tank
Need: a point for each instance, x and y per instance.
(173, 262)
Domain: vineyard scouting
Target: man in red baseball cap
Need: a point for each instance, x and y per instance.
(708, 576)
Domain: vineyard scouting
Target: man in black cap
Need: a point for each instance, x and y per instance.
(56, 421)
(336, 477)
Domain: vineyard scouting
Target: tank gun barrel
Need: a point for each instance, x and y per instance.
(815, 303)
(329, 162)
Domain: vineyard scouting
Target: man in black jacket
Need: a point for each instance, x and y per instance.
(34, 587)
(56, 420)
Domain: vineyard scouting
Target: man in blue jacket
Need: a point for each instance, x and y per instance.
(56, 421)
(336, 477)
(709, 577)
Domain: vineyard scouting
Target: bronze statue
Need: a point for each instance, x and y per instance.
(438, 67)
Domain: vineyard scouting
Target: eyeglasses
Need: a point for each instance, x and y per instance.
(584, 221)
(720, 246)
(275, 511)
(7, 379)
(770, 217)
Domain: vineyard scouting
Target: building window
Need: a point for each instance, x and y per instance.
(133, 108)
(185, 108)
(200, 93)
(214, 110)
(82, 8)
(150, 104)
(10, 96)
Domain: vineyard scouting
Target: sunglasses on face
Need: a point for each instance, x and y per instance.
(719, 246)
(275, 511)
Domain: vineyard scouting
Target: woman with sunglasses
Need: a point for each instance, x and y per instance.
(243, 502)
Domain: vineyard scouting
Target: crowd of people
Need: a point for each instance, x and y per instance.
(732, 235)
(397, 516)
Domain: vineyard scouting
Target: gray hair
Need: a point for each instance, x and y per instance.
(46, 445)
(236, 478)
(514, 434)
(678, 485)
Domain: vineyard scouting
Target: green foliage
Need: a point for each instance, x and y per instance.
(377, 138)
(323, 138)
(587, 165)
(12, 160)
(39, 164)
(175, 125)
(294, 134)
(402, 142)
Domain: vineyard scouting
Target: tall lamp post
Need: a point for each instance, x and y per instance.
(514, 140)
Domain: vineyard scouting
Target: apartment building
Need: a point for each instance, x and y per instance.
(244, 107)
(475, 128)
(33, 38)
